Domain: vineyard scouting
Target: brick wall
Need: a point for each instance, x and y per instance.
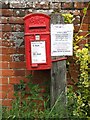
(12, 51)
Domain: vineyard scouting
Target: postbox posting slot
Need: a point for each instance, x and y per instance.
(37, 27)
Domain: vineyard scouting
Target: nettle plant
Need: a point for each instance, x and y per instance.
(79, 100)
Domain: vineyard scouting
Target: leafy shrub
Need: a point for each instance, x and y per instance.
(79, 100)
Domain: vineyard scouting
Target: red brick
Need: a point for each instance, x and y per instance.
(7, 102)
(18, 28)
(8, 50)
(28, 72)
(7, 43)
(20, 50)
(80, 5)
(26, 80)
(40, 81)
(84, 27)
(0, 27)
(0, 42)
(41, 75)
(3, 95)
(67, 5)
(4, 80)
(17, 65)
(19, 73)
(74, 73)
(0, 34)
(70, 82)
(86, 20)
(1, 102)
(7, 12)
(71, 79)
(5, 57)
(3, 20)
(76, 28)
(87, 14)
(22, 58)
(3, 65)
(7, 87)
(10, 95)
(12, 50)
(83, 33)
(16, 20)
(6, 28)
(83, 42)
(15, 79)
(7, 72)
(12, 72)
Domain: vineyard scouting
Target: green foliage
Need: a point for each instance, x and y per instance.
(67, 18)
(83, 100)
(85, 11)
(79, 100)
(30, 104)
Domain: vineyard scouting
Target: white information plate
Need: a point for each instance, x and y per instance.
(61, 39)
(38, 52)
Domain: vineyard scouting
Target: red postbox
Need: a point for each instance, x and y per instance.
(37, 41)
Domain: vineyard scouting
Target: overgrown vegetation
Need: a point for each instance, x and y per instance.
(79, 100)
(28, 103)
(31, 104)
